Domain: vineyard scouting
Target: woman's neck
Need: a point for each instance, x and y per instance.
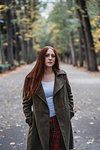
(48, 75)
(48, 71)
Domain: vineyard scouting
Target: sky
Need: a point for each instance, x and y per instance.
(49, 8)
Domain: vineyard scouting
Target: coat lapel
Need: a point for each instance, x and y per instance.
(59, 82)
(40, 93)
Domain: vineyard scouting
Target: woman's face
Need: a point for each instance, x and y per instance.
(49, 58)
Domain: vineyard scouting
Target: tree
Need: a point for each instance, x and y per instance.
(82, 39)
(61, 25)
(88, 34)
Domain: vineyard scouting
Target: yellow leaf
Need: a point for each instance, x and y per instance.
(2, 6)
(5, 44)
(36, 47)
(76, 40)
(4, 27)
(14, 41)
(73, 8)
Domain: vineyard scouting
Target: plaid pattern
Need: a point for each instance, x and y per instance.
(54, 134)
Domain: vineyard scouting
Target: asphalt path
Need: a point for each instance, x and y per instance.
(86, 122)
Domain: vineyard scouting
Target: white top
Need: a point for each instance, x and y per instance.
(48, 90)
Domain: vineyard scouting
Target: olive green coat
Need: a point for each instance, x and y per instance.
(38, 117)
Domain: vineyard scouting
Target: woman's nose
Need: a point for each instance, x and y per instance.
(50, 56)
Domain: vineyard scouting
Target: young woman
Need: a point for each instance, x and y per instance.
(47, 89)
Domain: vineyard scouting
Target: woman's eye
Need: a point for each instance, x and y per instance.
(47, 55)
(52, 55)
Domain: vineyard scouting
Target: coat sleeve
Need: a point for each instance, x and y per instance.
(27, 107)
(70, 96)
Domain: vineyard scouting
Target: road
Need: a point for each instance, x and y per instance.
(86, 122)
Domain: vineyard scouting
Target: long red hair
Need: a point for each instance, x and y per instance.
(37, 73)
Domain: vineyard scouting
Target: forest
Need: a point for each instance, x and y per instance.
(72, 27)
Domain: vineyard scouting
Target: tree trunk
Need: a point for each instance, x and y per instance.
(79, 15)
(16, 29)
(81, 49)
(0, 48)
(89, 38)
(73, 59)
(9, 37)
(82, 38)
(99, 58)
(25, 51)
(30, 51)
(72, 49)
(2, 58)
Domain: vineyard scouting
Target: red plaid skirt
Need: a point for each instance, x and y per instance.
(54, 134)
